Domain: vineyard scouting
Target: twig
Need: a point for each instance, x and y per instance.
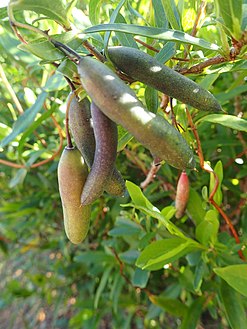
(69, 141)
(196, 23)
(198, 68)
(151, 174)
(94, 51)
(10, 90)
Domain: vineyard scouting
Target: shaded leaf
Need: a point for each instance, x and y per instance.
(193, 314)
(151, 99)
(166, 52)
(140, 278)
(172, 14)
(207, 230)
(170, 305)
(233, 306)
(194, 207)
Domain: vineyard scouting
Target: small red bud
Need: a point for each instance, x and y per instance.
(182, 196)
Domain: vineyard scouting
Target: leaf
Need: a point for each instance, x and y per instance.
(18, 177)
(207, 230)
(94, 257)
(25, 119)
(123, 138)
(166, 52)
(140, 278)
(68, 69)
(125, 227)
(94, 11)
(144, 205)
(193, 314)
(124, 38)
(101, 287)
(194, 207)
(161, 252)
(170, 305)
(231, 12)
(227, 120)
(44, 49)
(235, 276)
(159, 13)
(46, 8)
(154, 33)
(55, 82)
(151, 99)
(233, 306)
(225, 96)
(172, 14)
(218, 169)
(112, 20)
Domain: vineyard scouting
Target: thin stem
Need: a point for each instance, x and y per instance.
(94, 51)
(15, 24)
(10, 90)
(69, 141)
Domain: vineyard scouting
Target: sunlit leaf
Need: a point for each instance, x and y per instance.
(227, 120)
(153, 32)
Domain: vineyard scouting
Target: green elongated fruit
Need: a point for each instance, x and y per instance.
(145, 68)
(105, 132)
(81, 128)
(182, 195)
(121, 105)
(72, 174)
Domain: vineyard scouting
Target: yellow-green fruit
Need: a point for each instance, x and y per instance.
(72, 174)
(145, 68)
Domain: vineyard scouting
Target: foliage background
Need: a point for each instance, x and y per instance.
(46, 282)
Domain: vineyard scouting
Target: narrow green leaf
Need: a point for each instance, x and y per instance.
(140, 278)
(125, 39)
(25, 120)
(233, 306)
(101, 287)
(123, 138)
(166, 52)
(159, 13)
(172, 14)
(55, 82)
(94, 257)
(244, 16)
(226, 120)
(235, 276)
(32, 127)
(18, 177)
(94, 11)
(161, 252)
(68, 69)
(231, 12)
(45, 7)
(218, 169)
(170, 305)
(193, 314)
(225, 96)
(151, 99)
(112, 20)
(138, 197)
(154, 33)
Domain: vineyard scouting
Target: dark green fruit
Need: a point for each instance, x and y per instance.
(81, 127)
(105, 132)
(72, 174)
(145, 68)
(121, 105)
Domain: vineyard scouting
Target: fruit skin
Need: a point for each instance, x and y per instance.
(72, 173)
(182, 195)
(120, 104)
(81, 127)
(106, 138)
(145, 68)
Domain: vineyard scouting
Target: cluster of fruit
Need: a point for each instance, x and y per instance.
(93, 127)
